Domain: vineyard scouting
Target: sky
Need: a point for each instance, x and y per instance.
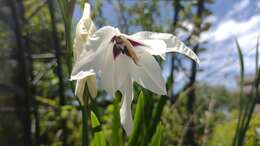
(231, 19)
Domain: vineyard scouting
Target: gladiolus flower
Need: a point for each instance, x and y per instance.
(121, 59)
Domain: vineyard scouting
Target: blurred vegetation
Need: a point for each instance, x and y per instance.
(37, 104)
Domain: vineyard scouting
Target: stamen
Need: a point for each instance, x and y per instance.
(130, 49)
(125, 46)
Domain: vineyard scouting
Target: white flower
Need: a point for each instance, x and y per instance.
(84, 30)
(121, 59)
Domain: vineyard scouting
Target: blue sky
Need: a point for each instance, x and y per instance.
(231, 19)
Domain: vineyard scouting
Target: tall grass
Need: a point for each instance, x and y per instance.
(247, 103)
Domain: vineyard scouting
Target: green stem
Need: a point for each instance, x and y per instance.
(68, 44)
(85, 112)
(67, 9)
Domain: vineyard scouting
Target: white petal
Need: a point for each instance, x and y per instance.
(90, 79)
(114, 71)
(82, 74)
(154, 47)
(107, 71)
(149, 73)
(172, 42)
(83, 77)
(92, 85)
(98, 44)
(101, 38)
(121, 70)
(125, 110)
(79, 90)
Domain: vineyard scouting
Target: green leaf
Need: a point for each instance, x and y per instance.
(138, 121)
(157, 114)
(116, 127)
(99, 137)
(156, 140)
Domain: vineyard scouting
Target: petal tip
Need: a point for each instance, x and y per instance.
(127, 123)
(86, 11)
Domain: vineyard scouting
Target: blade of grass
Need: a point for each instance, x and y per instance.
(156, 140)
(116, 128)
(157, 115)
(149, 102)
(252, 101)
(99, 137)
(246, 110)
(241, 62)
(257, 61)
(138, 121)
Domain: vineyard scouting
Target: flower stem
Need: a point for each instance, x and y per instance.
(85, 112)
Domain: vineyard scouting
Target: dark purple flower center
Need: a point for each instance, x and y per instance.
(120, 48)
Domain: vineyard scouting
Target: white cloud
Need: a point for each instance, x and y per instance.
(232, 28)
(249, 39)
